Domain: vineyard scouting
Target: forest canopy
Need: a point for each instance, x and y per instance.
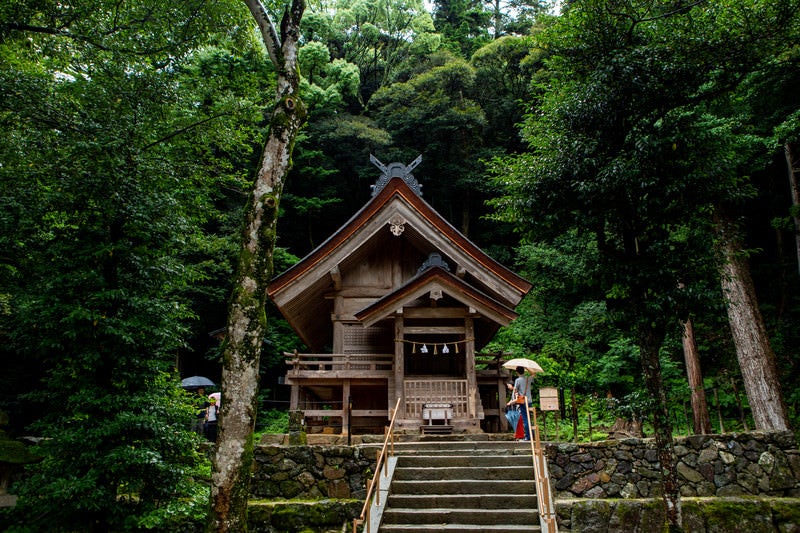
(631, 159)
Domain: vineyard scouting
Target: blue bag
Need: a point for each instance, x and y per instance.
(513, 415)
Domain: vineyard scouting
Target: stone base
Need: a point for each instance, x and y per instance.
(700, 515)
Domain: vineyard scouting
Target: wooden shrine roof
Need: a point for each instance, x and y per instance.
(301, 292)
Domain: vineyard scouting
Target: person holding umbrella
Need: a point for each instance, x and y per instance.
(201, 403)
(196, 385)
(522, 389)
(522, 395)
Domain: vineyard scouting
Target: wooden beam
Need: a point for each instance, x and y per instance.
(434, 312)
(361, 292)
(434, 330)
(323, 412)
(330, 377)
(370, 412)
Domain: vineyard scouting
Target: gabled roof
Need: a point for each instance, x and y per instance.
(300, 291)
(433, 279)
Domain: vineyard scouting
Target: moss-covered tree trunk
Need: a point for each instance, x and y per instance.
(246, 318)
(650, 340)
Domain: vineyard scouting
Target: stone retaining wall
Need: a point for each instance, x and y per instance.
(700, 515)
(736, 464)
(597, 484)
(312, 472)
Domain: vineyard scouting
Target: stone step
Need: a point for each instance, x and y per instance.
(474, 473)
(460, 528)
(462, 486)
(450, 442)
(463, 501)
(436, 429)
(471, 461)
(508, 517)
(474, 448)
(465, 486)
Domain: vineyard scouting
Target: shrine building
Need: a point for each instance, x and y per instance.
(395, 306)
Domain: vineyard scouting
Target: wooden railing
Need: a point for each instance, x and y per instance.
(418, 392)
(374, 485)
(544, 496)
(341, 364)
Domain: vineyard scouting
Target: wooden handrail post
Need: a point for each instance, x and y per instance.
(375, 481)
(367, 518)
(543, 494)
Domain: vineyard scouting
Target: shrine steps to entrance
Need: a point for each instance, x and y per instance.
(448, 483)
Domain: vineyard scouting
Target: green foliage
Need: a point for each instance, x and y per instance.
(463, 23)
(128, 141)
(636, 142)
(507, 65)
(374, 35)
(127, 461)
(273, 421)
(120, 124)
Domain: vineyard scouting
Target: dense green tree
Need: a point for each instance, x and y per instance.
(508, 65)
(627, 147)
(375, 35)
(434, 113)
(463, 23)
(109, 152)
(516, 17)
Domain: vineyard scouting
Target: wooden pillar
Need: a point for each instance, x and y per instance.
(294, 399)
(338, 327)
(469, 354)
(345, 406)
(399, 365)
(501, 403)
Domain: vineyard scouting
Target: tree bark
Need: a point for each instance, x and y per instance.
(701, 419)
(574, 414)
(753, 349)
(791, 165)
(650, 341)
(246, 317)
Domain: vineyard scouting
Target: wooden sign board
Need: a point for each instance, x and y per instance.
(548, 399)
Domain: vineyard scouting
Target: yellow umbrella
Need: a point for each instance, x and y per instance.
(528, 364)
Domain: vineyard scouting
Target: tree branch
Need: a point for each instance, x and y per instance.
(268, 33)
(183, 130)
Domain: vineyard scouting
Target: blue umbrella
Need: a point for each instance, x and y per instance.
(195, 382)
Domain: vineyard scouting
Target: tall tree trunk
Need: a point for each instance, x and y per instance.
(650, 341)
(792, 166)
(753, 349)
(701, 420)
(574, 414)
(246, 318)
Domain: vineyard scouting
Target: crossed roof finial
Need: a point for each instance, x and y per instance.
(396, 170)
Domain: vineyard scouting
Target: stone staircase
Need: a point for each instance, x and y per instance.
(473, 486)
